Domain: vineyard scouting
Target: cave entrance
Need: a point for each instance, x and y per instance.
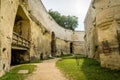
(19, 57)
(20, 38)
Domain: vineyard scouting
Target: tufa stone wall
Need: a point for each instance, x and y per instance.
(79, 47)
(7, 16)
(26, 33)
(63, 47)
(107, 15)
(110, 60)
(91, 36)
(48, 22)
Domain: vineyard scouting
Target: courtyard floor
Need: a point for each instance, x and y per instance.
(47, 70)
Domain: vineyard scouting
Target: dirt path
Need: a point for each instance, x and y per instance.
(46, 71)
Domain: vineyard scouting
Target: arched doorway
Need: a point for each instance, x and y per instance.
(20, 38)
(71, 47)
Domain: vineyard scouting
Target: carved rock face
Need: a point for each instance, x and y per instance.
(108, 25)
(107, 20)
(106, 41)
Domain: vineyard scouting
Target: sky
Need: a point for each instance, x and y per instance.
(70, 7)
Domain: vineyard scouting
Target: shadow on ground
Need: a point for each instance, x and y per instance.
(82, 68)
(93, 71)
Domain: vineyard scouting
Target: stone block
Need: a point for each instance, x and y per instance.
(23, 71)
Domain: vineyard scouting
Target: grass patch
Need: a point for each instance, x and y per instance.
(71, 56)
(88, 69)
(65, 55)
(14, 75)
(36, 61)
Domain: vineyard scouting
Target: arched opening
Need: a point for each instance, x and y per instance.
(20, 39)
(53, 44)
(71, 47)
(41, 56)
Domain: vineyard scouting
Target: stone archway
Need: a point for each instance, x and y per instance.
(20, 38)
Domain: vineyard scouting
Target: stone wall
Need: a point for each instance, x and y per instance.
(63, 47)
(91, 32)
(107, 15)
(110, 60)
(48, 22)
(107, 21)
(30, 19)
(40, 14)
(7, 16)
(40, 41)
(79, 47)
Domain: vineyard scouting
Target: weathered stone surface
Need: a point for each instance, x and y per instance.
(110, 61)
(34, 27)
(91, 34)
(23, 71)
(106, 26)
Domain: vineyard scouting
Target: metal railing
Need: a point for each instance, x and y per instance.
(19, 41)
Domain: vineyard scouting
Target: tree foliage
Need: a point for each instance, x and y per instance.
(68, 22)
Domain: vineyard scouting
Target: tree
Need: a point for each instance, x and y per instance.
(68, 22)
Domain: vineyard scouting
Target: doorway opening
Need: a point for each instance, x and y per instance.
(19, 57)
(20, 38)
(71, 47)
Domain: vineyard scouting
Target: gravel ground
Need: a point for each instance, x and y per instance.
(46, 71)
